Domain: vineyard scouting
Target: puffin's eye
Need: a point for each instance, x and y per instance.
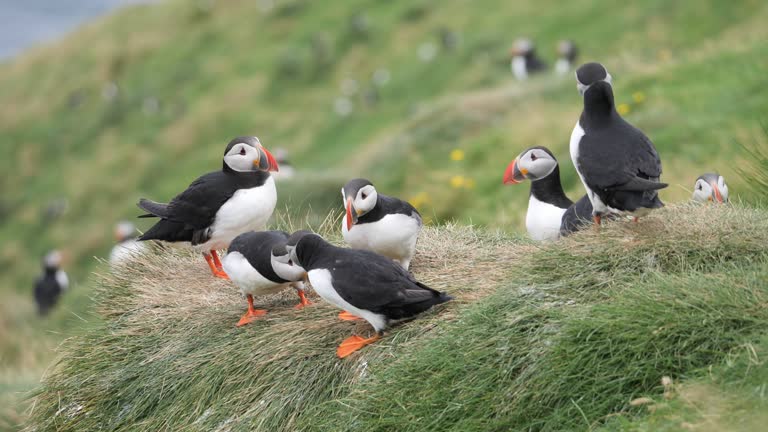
(533, 156)
(698, 186)
(363, 195)
(242, 151)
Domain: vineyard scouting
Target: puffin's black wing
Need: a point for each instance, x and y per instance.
(381, 285)
(256, 247)
(576, 216)
(387, 205)
(47, 291)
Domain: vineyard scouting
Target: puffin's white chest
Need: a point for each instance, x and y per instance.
(322, 283)
(62, 279)
(393, 236)
(562, 66)
(519, 68)
(247, 210)
(543, 220)
(247, 278)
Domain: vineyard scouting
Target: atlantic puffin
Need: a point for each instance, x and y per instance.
(710, 187)
(379, 223)
(551, 214)
(524, 59)
(220, 205)
(250, 265)
(287, 170)
(127, 246)
(363, 283)
(566, 56)
(51, 284)
(617, 163)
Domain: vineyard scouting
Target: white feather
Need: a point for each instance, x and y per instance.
(322, 283)
(62, 279)
(519, 69)
(393, 236)
(543, 220)
(247, 278)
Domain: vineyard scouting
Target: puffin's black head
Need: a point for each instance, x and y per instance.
(533, 164)
(359, 197)
(294, 238)
(284, 264)
(589, 74)
(246, 154)
(710, 187)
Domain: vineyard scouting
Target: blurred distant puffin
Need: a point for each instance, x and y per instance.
(617, 163)
(251, 266)
(710, 187)
(566, 56)
(363, 283)
(51, 284)
(551, 214)
(379, 223)
(287, 171)
(524, 59)
(220, 205)
(127, 246)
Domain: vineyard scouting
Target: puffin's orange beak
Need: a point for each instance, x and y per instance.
(349, 214)
(272, 161)
(512, 175)
(718, 196)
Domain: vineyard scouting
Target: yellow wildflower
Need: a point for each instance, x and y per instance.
(457, 155)
(457, 181)
(638, 97)
(623, 109)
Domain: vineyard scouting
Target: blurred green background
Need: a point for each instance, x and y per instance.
(141, 102)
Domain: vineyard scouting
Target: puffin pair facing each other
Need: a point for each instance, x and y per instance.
(51, 284)
(551, 214)
(379, 223)
(221, 205)
(251, 265)
(617, 163)
(363, 283)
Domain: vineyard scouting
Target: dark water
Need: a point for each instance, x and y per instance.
(25, 23)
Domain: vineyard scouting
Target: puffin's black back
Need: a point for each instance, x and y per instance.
(47, 292)
(578, 216)
(368, 280)
(256, 247)
(386, 205)
(189, 214)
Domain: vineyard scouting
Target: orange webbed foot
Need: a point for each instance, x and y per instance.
(354, 343)
(346, 316)
(251, 316)
(216, 271)
(303, 301)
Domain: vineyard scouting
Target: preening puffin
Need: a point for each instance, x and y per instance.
(551, 214)
(127, 246)
(386, 225)
(250, 265)
(221, 205)
(51, 284)
(617, 163)
(360, 282)
(710, 187)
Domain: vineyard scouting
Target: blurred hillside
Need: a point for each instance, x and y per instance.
(140, 103)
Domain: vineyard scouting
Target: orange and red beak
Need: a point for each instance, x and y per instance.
(513, 175)
(716, 190)
(266, 161)
(272, 161)
(350, 220)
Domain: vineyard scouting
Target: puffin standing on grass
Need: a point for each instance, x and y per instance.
(710, 187)
(250, 266)
(379, 223)
(566, 56)
(617, 163)
(524, 59)
(51, 284)
(551, 214)
(360, 282)
(221, 205)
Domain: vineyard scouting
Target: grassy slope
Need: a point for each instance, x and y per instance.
(540, 337)
(224, 72)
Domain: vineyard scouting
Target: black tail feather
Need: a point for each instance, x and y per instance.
(153, 208)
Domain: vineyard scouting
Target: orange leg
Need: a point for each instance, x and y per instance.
(636, 219)
(354, 343)
(219, 273)
(302, 300)
(216, 260)
(346, 316)
(252, 314)
(598, 219)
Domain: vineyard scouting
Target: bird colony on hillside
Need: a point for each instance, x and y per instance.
(371, 280)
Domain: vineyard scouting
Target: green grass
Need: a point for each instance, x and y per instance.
(235, 70)
(553, 337)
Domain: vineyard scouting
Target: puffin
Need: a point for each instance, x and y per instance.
(126, 246)
(617, 163)
(379, 223)
(51, 284)
(524, 59)
(287, 171)
(551, 214)
(250, 265)
(566, 56)
(361, 282)
(219, 206)
(710, 187)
